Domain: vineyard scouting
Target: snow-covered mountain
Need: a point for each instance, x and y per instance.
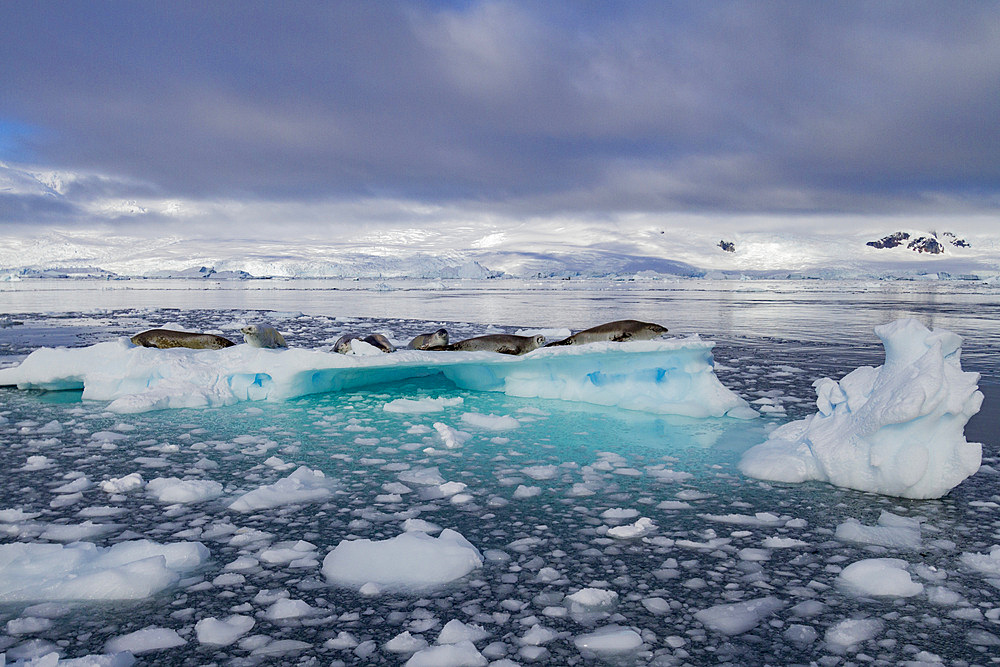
(573, 249)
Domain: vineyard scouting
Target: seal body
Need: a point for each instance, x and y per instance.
(502, 343)
(426, 341)
(618, 332)
(165, 338)
(343, 344)
(379, 341)
(259, 335)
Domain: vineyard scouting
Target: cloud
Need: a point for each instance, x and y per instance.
(522, 109)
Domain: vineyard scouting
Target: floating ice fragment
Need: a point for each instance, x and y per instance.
(523, 491)
(216, 632)
(609, 640)
(988, 564)
(896, 429)
(451, 437)
(404, 642)
(456, 631)
(122, 484)
(883, 577)
(430, 562)
(618, 514)
(461, 654)
(285, 609)
(490, 422)
(644, 526)
(145, 640)
(422, 405)
(738, 617)
(172, 490)
(851, 631)
(302, 486)
(591, 599)
(892, 531)
(84, 571)
(421, 476)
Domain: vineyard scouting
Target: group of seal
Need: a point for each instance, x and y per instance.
(259, 335)
(255, 335)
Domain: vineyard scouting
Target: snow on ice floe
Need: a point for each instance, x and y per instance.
(302, 486)
(664, 376)
(880, 577)
(430, 561)
(738, 617)
(897, 429)
(83, 571)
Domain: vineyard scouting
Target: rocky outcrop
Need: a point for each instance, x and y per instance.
(930, 244)
(728, 246)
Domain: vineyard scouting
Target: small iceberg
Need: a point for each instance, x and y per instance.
(670, 377)
(897, 429)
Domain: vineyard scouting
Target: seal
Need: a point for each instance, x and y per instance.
(260, 335)
(165, 338)
(618, 332)
(425, 341)
(343, 344)
(502, 343)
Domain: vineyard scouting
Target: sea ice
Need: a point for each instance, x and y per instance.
(892, 531)
(664, 376)
(145, 640)
(84, 571)
(302, 486)
(738, 617)
(430, 561)
(173, 490)
(421, 405)
(222, 632)
(852, 631)
(896, 430)
(609, 640)
(882, 577)
(462, 654)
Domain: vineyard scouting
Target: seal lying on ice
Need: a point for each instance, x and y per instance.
(426, 341)
(502, 343)
(259, 335)
(618, 332)
(343, 344)
(165, 338)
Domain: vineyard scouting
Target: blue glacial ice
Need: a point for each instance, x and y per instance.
(673, 377)
(897, 429)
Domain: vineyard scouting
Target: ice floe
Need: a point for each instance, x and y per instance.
(430, 561)
(84, 571)
(674, 376)
(896, 430)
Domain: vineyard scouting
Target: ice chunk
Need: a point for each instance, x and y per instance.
(84, 571)
(883, 577)
(302, 486)
(609, 640)
(738, 617)
(852, 631)
(404, 642)
(122, 484)
(451, 437)
(455, 631)
(145, 640)
(216, 632)
(662, 376)
(173, 490)
(462, 654)
(643, 526)
(430, 562)
(897, 429)
(988, 564)
(490, 422)
(890, 532)
(421, 405)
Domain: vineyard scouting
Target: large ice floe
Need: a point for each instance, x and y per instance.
(83, 571)
(675, 377)
(897, 429)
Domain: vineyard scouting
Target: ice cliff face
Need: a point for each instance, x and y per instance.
(897, 429)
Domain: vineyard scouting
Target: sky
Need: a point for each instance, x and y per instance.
(254, 118)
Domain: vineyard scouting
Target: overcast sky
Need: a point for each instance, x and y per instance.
(132, 110)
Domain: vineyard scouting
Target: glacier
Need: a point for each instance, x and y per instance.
(897, 430)
(672, 377)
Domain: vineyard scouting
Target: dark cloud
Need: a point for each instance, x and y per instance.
(730, 107)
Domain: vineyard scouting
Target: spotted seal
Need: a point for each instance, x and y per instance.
(166, 338)
(618, 332)
(502, 343)
(260, 335)
(424, 341)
